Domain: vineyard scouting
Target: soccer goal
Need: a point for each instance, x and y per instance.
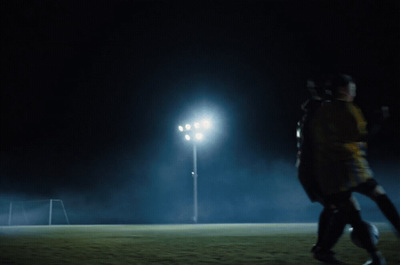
(38, 212)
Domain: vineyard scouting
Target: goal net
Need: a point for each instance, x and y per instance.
(38, 212)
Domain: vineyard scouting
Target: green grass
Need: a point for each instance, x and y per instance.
(275, 244)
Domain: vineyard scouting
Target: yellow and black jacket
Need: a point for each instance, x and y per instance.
(339, 133)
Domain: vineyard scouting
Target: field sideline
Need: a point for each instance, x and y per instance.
(274, 244)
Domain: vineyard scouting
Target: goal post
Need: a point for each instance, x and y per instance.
(38, 212)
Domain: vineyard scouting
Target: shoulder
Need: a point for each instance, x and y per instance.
(354, 106)
(325, 105)
(355, 111)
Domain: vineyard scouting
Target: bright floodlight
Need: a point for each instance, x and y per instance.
(206, 124)
(199, 136)
(194, 133)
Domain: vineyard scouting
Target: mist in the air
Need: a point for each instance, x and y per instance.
(246, 174)
(158, 188)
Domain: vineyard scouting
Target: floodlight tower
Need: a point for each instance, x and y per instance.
(195, 133)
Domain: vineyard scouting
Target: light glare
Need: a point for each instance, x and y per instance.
(187, 126)
(187, 137)
(180, 128)
(199, 136)
(206, 124)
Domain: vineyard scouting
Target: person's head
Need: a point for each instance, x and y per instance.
(318, 88)
(343, 87)
(313, 89)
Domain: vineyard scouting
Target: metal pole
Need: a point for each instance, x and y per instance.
(9, 214)
(65, 212)
(195, 182)
(50, 211)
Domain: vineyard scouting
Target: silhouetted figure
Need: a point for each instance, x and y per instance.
(339, 133)
(305, 163)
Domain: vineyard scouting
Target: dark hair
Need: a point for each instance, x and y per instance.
(338, 80)
(341, 80)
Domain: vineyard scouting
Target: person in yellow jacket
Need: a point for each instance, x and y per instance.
(339, 132)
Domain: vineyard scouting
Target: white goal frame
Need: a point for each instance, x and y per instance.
(51, 201)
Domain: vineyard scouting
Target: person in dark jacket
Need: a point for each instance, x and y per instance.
(305, 167)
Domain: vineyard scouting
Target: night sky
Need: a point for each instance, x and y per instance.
(92, 93)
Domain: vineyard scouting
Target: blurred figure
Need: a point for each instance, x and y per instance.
(319, 93)
(305, 152)
(339, 133)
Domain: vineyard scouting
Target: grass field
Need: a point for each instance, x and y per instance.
(275, 244)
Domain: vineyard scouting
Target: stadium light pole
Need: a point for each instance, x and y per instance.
(195, 133)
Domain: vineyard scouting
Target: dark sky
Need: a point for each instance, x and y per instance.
(92, 93)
